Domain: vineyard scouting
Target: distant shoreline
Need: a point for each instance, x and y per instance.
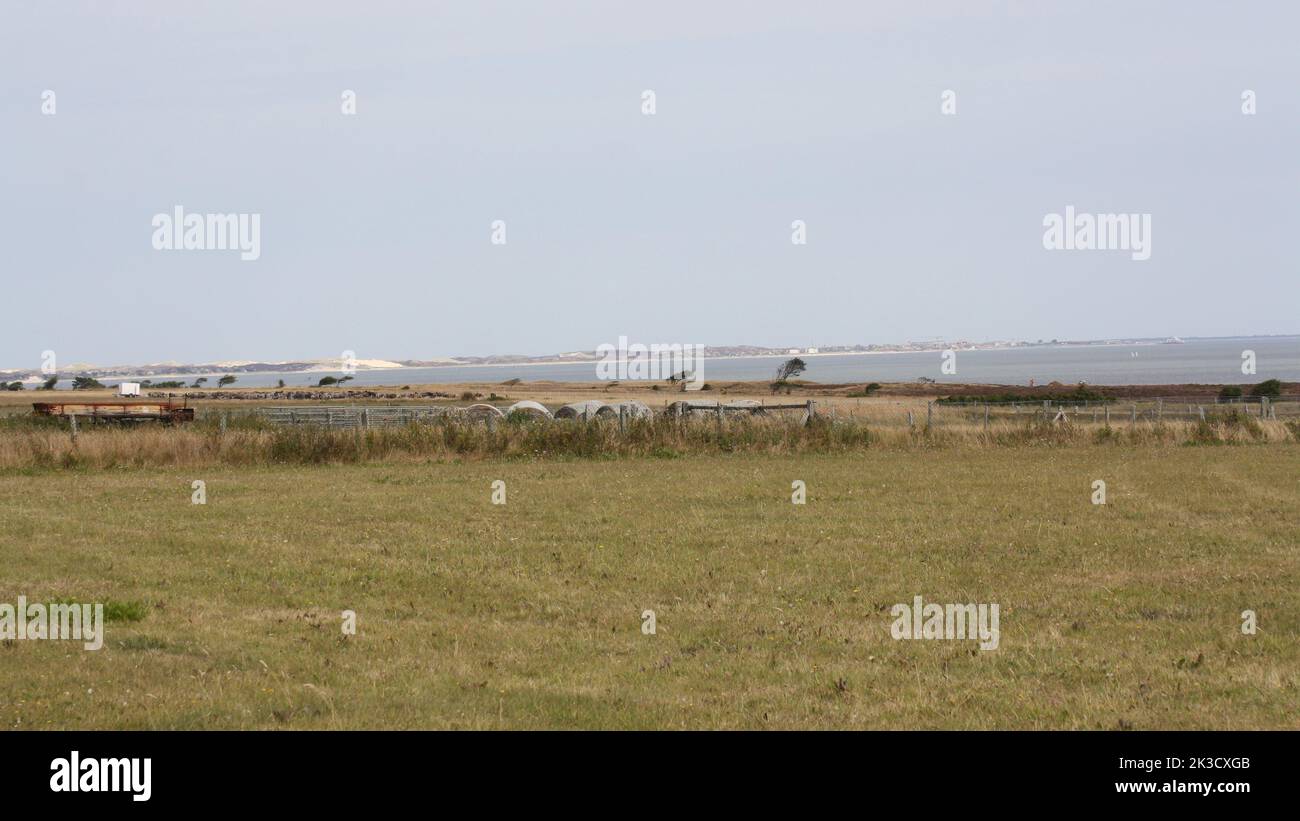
(324, 367)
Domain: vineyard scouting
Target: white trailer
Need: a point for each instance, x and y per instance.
(128, 389)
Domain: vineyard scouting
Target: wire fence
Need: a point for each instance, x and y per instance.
(1103, 412)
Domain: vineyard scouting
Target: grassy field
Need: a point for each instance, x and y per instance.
(768, 614)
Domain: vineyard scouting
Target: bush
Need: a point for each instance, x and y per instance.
(1230, 392)
(866, 390)
(1270, 388)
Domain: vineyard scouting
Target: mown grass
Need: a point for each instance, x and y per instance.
(769, 614)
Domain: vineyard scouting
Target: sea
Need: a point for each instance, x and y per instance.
(1213, 361)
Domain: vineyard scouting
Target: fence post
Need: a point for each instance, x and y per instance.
(911, 421)
(1135, 413)
(812, 412)
(1263, 407)
(1160, 410)
(929, 414)
(986, 414)
(74, 428)
(1108, 416)
(1201, 408)
(622, 419)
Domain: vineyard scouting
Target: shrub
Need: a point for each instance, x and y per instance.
(1269, 387)
(1230, 392)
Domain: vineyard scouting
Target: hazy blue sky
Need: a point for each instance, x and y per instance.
(667, 228)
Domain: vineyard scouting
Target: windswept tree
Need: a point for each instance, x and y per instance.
(48, 384)
(228, 379)
(86, 383)
(790, 369)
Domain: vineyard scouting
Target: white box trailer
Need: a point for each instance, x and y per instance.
(128, 389)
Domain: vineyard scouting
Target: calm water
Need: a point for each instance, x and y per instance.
(1210, 361)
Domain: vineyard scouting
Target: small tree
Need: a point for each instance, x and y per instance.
(198, 383)
(228, 379)
(1230, 392)
(790, 369)
(1270, 388)
(48, 384)
(86, 383)
(326, 381)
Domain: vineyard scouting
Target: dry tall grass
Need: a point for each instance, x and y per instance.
(50, 447)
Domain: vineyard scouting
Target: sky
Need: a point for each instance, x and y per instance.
(376, 227)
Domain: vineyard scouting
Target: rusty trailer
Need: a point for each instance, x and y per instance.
(166, 412)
